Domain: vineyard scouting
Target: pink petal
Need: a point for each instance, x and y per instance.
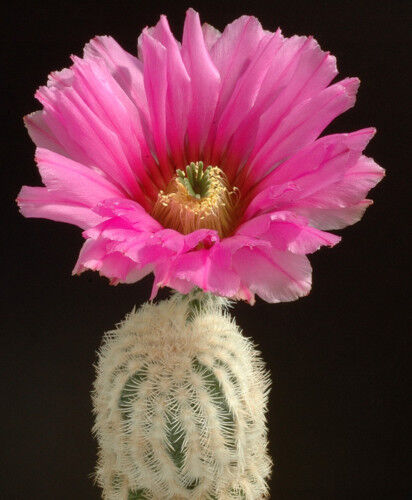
(40, 133)
(128, 211)
(111, 104)
(155, 80)
(334, 218)
(357, 181)
(74, 181)
(205, 81)
(211, 35)
(327, 177)
(40, 202)
(88, 138)
(232, 54)
(209, 270)
(178, 99)
(163, 277)
(299, 128)
(126, 69)
(241, 97)
(314, 169)
(274, 276)
(306, 72)
(297, 71)
(288, 232)
(115, 266)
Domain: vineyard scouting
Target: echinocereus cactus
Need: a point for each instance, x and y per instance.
(199, 162)
(180, 401)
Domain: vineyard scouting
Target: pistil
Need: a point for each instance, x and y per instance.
(195, 179)
(198, 198)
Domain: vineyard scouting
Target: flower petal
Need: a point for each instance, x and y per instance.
(211, 35)
(42, 203)
(126, 69)
(88, 138)
(40, 133)
(334, 218)
(209, 269)
(297, 71)
(205, 80)
(155, 81)
(273, 275)
(232, 55)
(288, 232)
(111, 104)
(178, 97)
(115, 266)
(242, 97)
(74, 181)
(329, 174)
(277, 141)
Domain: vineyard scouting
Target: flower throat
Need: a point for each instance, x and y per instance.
(197, 198)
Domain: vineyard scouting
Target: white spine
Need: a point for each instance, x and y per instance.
(180, 406)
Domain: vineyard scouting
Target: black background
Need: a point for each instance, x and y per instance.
(339, 357)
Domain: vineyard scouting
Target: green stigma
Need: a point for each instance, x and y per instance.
(195, 179)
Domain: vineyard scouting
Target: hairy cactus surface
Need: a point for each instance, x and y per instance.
(180, 401)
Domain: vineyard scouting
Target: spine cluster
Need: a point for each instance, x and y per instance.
(180, 400)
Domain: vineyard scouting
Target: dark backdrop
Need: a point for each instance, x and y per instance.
(339, 357)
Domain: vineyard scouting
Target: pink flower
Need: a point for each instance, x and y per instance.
(123, 144)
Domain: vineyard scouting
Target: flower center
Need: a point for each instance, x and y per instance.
(195, 179)
(197, 198)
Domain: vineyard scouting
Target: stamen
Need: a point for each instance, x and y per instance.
(196, 199)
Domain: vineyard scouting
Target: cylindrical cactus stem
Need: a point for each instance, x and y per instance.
(180, 401)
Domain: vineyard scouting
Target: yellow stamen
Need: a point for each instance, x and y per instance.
(176, 208)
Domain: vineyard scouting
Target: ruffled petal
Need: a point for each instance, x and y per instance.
(163, 277)
(45, 204)
(329, 174)
(209, 269)
(128, 230)
(129, 211)
(273, 275)
(94, 256)
(286, 231)
(74, 181)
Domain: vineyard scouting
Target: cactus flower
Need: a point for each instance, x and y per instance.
(201, 161)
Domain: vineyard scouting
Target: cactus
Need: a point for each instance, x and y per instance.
(180, 400)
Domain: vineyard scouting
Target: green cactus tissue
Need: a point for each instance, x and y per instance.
(180, 401)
